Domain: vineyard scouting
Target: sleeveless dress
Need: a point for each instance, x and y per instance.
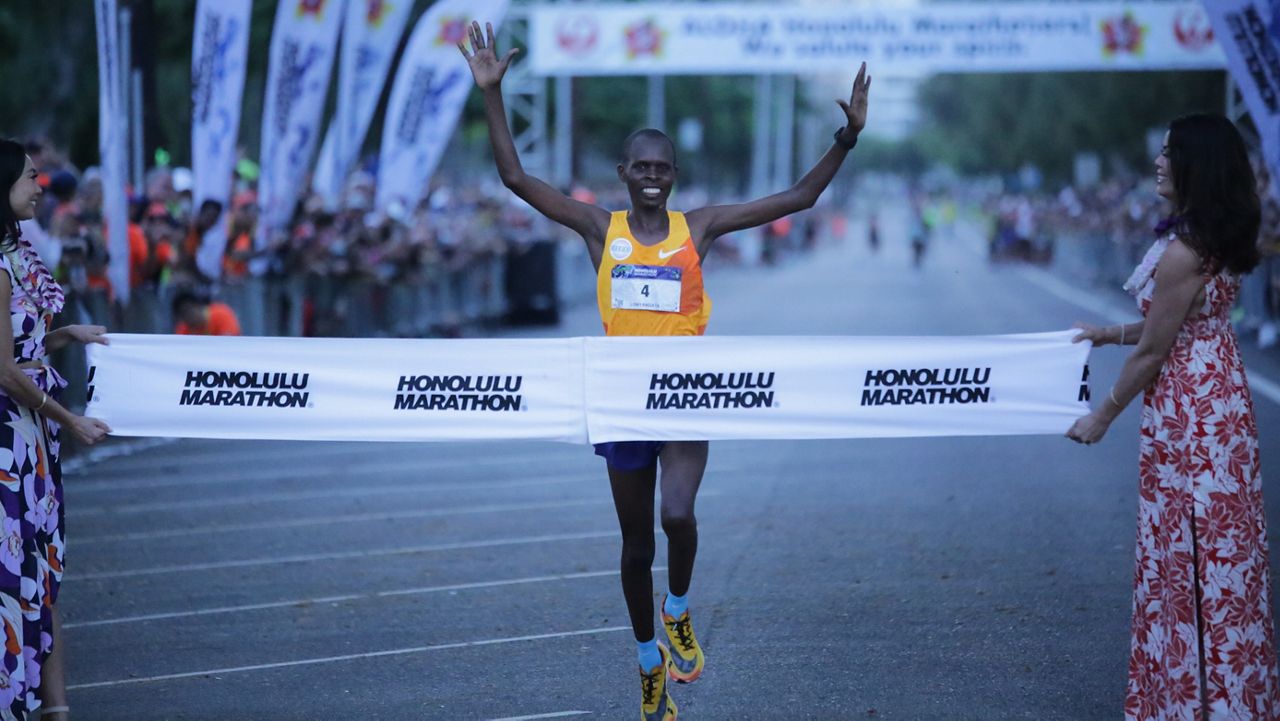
(1202, 645)
(31, 550)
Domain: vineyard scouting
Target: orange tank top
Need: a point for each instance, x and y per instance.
(651, 289)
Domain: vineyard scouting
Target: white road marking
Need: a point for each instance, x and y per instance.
(1263, 385)
(1260, 384)
(256, 472)
(557, 714)
(345, 555)
(273, 525)
(348, 598)
(355, 491)
(333, 520)
(347, 657)
(1077, 297)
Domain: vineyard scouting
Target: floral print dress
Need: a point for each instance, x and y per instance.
(31, 550)
(1202, 646)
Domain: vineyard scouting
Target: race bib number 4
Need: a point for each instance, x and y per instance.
(646, 287)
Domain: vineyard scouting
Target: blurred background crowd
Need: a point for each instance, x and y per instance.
(472, 255)
(465, 256)
(1098, 233)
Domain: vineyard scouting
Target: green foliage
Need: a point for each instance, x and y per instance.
(48, 55)
(982, 123)
(976, 123)
(725, 107)
(47, 59)
(607, 109)
(899, 157)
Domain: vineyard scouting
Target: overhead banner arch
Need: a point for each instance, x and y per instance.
(735, 38)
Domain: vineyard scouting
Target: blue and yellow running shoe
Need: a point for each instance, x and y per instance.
(686, 655)
(655, 702)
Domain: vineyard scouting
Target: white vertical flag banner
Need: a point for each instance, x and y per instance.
(338, 389)
(219, 57)
(303, 44)
(370, 35)
(431, 86)
(833, 387)
(1247, 32)
(113, 120)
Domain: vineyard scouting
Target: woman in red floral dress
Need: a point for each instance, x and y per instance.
(1203, 641)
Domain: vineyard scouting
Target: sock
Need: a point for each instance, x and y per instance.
(675, 605)
(649, 655)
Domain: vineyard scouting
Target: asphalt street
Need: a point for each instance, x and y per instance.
(919, 580)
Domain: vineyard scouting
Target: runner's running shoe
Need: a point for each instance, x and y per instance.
(655, 702)
(686, 655)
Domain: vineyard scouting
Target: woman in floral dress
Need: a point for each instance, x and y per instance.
(1202, 644)
(31, 544)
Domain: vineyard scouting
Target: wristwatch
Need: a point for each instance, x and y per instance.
(840, 141)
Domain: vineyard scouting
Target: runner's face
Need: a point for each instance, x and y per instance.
(1164, 174)
(25, 193)
(649, 173)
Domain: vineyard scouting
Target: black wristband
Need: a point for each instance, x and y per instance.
(842, 143)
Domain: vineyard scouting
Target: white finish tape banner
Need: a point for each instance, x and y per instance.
(726, 37)
(833, 387)
(338, 389)
(601, 389)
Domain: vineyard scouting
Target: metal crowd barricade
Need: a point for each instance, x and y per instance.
(416, 302)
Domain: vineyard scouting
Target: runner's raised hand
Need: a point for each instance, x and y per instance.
(486, 68)
(856, 109)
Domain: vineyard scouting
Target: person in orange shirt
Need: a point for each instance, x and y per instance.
(648, 264)
(151, 245)
(244, 219)
(198, 315)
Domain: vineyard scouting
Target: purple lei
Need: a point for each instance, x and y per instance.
(1168, 224)
(34, 277)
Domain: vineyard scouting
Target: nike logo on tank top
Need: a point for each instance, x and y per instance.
(651, 289)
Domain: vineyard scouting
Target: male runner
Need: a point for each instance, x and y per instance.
(648, 263)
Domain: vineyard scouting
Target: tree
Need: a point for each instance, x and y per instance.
(984, 123)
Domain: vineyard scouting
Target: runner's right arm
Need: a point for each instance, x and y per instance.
(589, 221)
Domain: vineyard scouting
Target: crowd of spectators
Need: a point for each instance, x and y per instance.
(467, 254)
(352, 270)
(1099, 233)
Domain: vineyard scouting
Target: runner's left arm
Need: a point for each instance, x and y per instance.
(707, 224)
